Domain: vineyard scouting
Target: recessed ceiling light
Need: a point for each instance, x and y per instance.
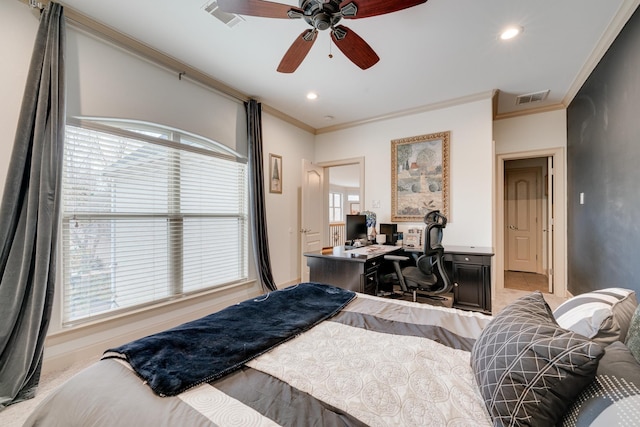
(312, 96)
(510, 33)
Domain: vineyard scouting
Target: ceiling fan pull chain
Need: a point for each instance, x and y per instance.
(330, 43)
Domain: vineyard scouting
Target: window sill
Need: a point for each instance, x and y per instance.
(92, 339)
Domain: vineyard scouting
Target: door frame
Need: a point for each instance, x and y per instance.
(343, 162)
(559, 263)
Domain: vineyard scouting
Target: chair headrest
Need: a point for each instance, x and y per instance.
(435, 217)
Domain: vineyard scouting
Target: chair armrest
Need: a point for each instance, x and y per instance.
(396, 258)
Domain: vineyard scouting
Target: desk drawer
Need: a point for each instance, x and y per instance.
(373, 264)
(470, 259)
(370, 283)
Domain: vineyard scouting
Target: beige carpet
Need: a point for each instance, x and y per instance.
(507, 295)
(517, 284)
(526, 281)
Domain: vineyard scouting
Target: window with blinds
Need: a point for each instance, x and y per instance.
(148, 215)
(335, 207)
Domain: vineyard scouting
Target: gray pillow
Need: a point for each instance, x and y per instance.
(603, 315)
(528, 369)
(613, 398)
(633, 336)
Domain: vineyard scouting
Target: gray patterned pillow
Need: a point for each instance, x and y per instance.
(529, 369)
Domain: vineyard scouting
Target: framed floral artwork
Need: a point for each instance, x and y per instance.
(419, 176)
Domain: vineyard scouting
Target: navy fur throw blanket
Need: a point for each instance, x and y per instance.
(206, 349)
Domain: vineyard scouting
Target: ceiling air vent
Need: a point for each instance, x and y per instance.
(229, 19)
(532, 97)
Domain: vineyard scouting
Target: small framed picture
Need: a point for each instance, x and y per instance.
(275, 173)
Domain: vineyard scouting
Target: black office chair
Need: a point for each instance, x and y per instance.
(423, 277)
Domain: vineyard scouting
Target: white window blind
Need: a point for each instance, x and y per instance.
(146, 219)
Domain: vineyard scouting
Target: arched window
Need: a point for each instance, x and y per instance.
(150, 214)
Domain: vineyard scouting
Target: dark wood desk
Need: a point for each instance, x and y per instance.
(469, 268)
(356, 270)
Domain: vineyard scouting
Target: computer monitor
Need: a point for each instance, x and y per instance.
(391, 233)
(356, 227)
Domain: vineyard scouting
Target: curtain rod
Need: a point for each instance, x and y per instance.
(37, 4)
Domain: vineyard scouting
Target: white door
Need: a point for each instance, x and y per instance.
(521, 220)
(549, 225)
(313, 212)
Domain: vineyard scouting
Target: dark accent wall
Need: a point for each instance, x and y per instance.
(603, 155)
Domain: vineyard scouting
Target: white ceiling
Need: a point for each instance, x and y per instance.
(438, 52)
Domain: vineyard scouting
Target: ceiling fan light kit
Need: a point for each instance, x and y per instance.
(322, 15)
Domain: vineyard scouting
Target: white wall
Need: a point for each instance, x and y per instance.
(283, 210)
(531, 132)
(18, 26)
(471, 162)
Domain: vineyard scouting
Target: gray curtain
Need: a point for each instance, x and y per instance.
(257, 201)
(29, 215)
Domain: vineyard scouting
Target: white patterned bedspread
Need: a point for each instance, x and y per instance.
(377, 363)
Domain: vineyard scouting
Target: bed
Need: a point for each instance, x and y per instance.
(367, 361)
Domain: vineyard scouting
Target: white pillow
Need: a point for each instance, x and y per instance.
(603, 315)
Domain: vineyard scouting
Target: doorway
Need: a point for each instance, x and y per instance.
(530, 221)
(315, 202)
(526, 205)
(347, 176)
(344, 199)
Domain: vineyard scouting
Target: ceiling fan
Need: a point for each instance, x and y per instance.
(322, 15)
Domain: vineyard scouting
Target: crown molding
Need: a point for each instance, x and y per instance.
(529, 111)
(627, 9)
(295, 122)
(402, 113)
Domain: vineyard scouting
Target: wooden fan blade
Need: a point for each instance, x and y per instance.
(368, 8)
(265, 9)
(297, 52)
(354, 47)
